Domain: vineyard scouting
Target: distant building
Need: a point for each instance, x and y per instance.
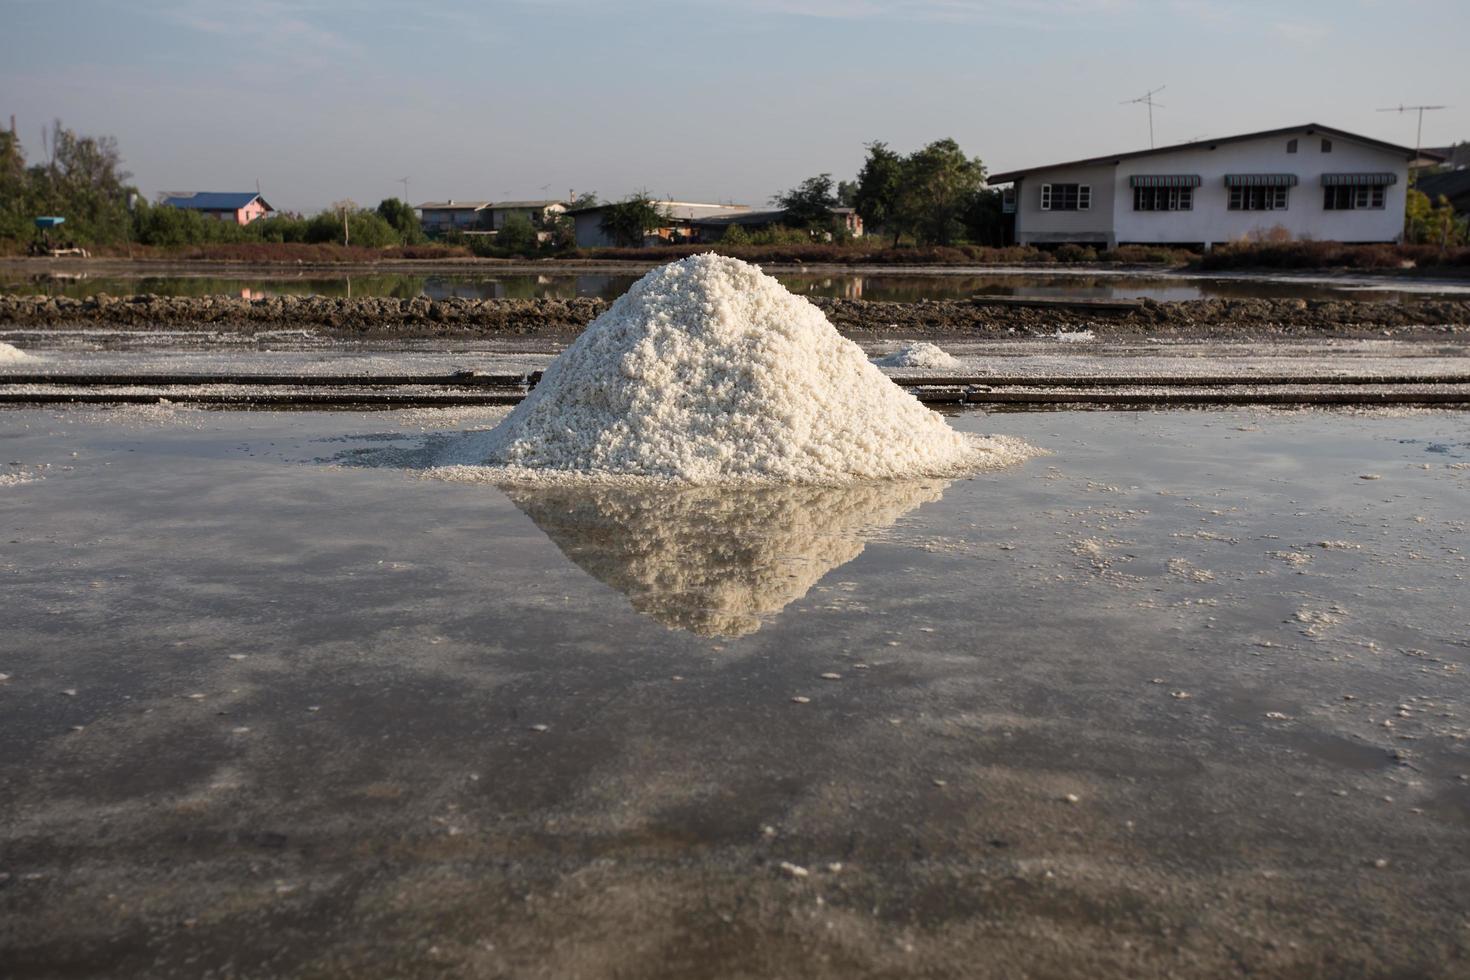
(713, 228)
(1451, 184)
(1308, 181)
(536, 212)
(438, 217)
(241, 207)
(680, 216)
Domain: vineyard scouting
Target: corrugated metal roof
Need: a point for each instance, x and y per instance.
(1454, 184)
(453, 205)
(1310, 128)
(522, 205)
(213, 200)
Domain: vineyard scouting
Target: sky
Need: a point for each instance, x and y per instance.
(703, 100)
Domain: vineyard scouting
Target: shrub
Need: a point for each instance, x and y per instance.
(1075, 253)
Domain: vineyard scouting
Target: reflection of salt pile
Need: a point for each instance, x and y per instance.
(11, 355)
(709, 371)
(710, 561)
(920, 355)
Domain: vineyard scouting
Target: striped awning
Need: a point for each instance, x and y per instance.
(1164, 180)
(1260, 180)
(1359, 180)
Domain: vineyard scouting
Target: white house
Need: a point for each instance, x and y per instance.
(679, 216)
(1307, 181)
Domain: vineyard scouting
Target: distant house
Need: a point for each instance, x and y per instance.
(1307, 181)
(438, 217)
(241, 207)
(536, 212)
(680, 227)
(713, 228)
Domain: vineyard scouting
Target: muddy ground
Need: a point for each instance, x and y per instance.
(420, 317)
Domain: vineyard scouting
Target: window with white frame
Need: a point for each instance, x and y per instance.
(1066, 197)
(1163, 198)
(1258, 198)
(1344, 198)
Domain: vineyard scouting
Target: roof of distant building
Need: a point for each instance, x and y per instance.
(680, 210)
(213, 200)
(453, 205)
(1452, 184)
(523, 205)
(1308, 128)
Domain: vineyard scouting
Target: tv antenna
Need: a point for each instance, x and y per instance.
(1419, 130)
(404, 182)
(1147, 99)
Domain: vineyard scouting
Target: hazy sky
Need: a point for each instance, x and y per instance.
(694, 99)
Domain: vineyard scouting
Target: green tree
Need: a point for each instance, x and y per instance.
(735, 235)
(879, 185)
(629, 220)
(847, 193)
(586, 199)
(517, 235)
(939, 183)
(404, 220)
(1429, 222)
(809, 205)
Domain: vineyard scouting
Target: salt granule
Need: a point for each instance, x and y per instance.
(709, 371)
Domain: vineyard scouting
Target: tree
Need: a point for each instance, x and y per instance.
(878, 187)
(629, 220)
(517, 234)
(586, 199)
(846, 193)
(401, 216)
(1433, 222)
(810, 204)
(939, 183)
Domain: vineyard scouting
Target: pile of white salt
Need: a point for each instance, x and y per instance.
(709, 371)
(921, 355)
(13, 355)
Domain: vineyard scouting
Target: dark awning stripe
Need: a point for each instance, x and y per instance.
(1260, 180)
(1164, 180)
(1359, 180)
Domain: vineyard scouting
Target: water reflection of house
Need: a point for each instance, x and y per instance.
(241, 207)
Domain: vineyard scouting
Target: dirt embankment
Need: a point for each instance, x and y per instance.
(372, 317)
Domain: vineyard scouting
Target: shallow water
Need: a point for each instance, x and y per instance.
(311, 687)
(896, 286)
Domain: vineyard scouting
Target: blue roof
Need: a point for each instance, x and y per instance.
(213, 200)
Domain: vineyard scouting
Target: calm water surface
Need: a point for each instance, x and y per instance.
(896, 286)
(1186, 697)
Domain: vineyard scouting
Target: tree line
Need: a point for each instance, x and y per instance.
(83, 180)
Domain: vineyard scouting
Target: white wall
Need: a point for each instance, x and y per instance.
(1034, 225)
(1113, 220)
(1304, 217)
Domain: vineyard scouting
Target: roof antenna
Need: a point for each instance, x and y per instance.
(1147, 99)
(1419, 131)
(404, 182)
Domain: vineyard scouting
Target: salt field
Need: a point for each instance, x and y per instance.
(1186, 696)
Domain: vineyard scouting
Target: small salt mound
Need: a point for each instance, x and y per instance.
(13, 355)
(709, 371)
(920, 355)
(1075, 336)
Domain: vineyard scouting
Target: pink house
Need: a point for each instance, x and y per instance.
(241, 207)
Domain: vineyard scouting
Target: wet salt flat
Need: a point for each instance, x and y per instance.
(1059, 354)
(1185, 697)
